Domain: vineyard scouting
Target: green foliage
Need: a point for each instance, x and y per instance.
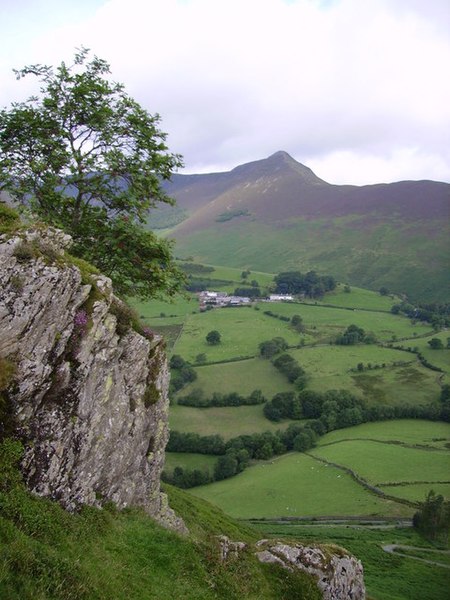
(213, 337)
(310, 284)
(436, 344)
(433, 519)
(89, 159)
(270, 348)
(9, 219)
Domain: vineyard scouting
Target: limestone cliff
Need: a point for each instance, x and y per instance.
(88, 394)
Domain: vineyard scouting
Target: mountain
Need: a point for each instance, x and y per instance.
(275, 214)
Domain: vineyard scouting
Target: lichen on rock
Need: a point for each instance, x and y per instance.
(89, 404)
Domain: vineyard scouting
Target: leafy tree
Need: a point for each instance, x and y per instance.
(436, 344)
(271, 347)
(433, 519)
(89, 159)
(213, 338)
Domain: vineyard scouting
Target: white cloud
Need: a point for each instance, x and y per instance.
(358, 85)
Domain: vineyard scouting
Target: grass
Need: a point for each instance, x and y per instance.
(409, 431)
(418, 492)
(387, 576)
(228, 421)
(332, 367)
(188, 460)
(242, 377)
(49, 554)
(242, 329)
(295, 485)
(324, 323)
(298, 485)
(387, 463)
(359, 298)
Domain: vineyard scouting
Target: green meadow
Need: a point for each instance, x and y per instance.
(295, 485)
(228, 421)
(189, 460)
(242, 376)
(241, 328)
(407, 452)
(359, 298)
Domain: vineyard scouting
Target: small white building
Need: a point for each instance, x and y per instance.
(281, 298)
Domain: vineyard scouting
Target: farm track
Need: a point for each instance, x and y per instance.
(391, 549)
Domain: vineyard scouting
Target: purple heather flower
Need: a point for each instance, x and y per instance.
(81, 319)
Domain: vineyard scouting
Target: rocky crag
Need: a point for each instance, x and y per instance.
(83, 391)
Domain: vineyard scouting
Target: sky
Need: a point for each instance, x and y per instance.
(357, 90)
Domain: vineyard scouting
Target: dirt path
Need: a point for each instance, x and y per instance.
(391, 549)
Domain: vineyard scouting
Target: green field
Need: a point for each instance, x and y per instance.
(295, 485)
(324, 323)
(243, 377)
(359, 298)
(299, 485)
(228, 421)
(408, 431)
(380, 462)
(241, 328)
(189, 460)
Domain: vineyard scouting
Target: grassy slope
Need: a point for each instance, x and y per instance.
(48, 554)
(367, 257)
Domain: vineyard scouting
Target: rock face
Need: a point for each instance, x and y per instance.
(339, 575)
(89, 395)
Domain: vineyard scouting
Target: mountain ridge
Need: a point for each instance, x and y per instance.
(276, 212)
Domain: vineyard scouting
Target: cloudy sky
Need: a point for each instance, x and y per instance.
(358, 90)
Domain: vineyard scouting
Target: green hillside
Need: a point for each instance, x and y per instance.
(47, 553)
(275, 214)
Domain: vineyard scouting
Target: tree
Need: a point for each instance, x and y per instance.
(87, 158)
(433, 519)
(213, 338)
(436, 344)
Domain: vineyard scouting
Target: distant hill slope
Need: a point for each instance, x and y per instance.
(276, 214)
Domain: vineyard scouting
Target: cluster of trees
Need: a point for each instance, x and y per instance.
(291, 369)
(354, 335)
(270, 348)
(433, 518)
(213, 337)
(270, 313)
(248, 292)
(334, 409)
(181, 373)
(445, 403)
(200, 284)
(196, 398)
(309, 284)
(436, 314)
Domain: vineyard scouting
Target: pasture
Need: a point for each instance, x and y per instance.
(242, 377)
(296, 485)
(227, 421)
(189, 460)
(324, 323)
(242, 329)
(359, 298)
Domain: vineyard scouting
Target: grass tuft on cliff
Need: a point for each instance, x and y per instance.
(48, 553)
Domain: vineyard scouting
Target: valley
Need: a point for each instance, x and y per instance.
(373, 472)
